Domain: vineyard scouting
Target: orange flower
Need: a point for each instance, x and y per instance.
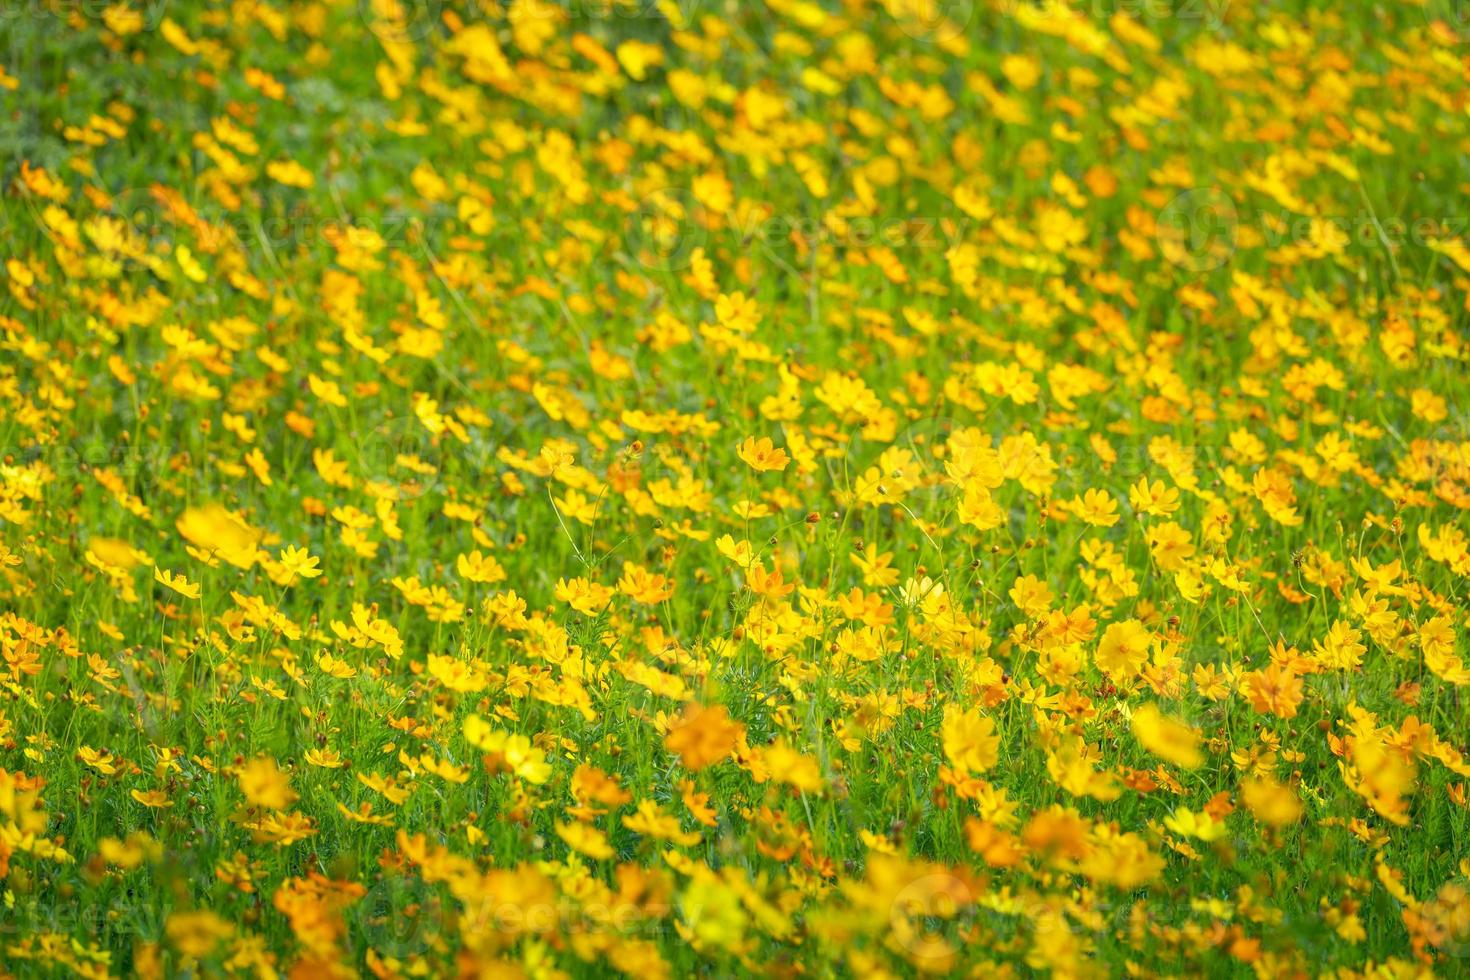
(1276, 690)
(703, 736)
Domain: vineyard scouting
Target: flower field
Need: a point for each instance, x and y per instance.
(694, 487)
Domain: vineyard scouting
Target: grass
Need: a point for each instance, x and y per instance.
(393, 579)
